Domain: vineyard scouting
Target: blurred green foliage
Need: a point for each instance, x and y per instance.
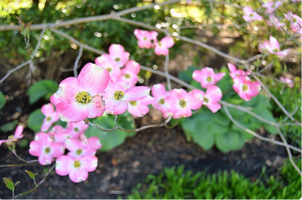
(176, 183)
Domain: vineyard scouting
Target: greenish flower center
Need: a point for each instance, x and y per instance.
(145, 38)
(109, 69)
(76, 129)
(48, 118)
(83, 97)
(205, 99)
(159, 44)
(77, 164)
(117, 59)
(47, 150)
(182, 103)
(79, 151)
(162, 101)
(244, 87)
(209, 79)
(133, 103)
(127, 76)
(118, 95)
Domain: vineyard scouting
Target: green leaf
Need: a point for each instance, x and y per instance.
(114, 138)
(2, 100)
(10, 126)
(31, 174)
(9, 183)
(227, 142)
(42, 89)
(35, 120)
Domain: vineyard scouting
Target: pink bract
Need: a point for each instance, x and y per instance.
(207, 77)
(162, 47)
(80, 98)
(288, 81)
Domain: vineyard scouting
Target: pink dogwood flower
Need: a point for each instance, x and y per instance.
(106, 62)
(140, 107)
(162, 47)
(246, 88)
(118, 94)
(182, 102)
(288, 81)
(46, 149)
(272, 46)
(76, 167)
(51, 116)
(129, 73)
(271, 6)
(159, 93)
(211, 98)
(250, 15)
(145, 38)
(80, 98)
(76, 129)
(12, 138)
(207, 77)
(118, 55)
(274, 21)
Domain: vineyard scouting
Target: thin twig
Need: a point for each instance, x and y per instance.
(289, 152)
(257, 135)
(167, 71)
(37, 185)
(15, 69)
(21, 164)
(76, 63)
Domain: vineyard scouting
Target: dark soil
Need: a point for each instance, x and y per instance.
(120, 169)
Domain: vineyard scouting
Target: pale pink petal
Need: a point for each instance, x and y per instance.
(213, 93)
(64, 165)
(197, 76)
(93, 79)
(89, 163)
(18, 132)
(72, 144)
(45, 159)
(57, 149)
(116, 49)
(214, 107)
(274, 43)
(72, 111)
(158, 90)
(167, 41)
(195, 99)
(137, 93)
(47, 109)
(121, 108)
(95, 143)
(78, 175)
(232, 68)
(97, 107)
(132, 66)
(35, 148)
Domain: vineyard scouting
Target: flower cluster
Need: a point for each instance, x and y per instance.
(148, 39)
(243, 85)
(80, 158)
